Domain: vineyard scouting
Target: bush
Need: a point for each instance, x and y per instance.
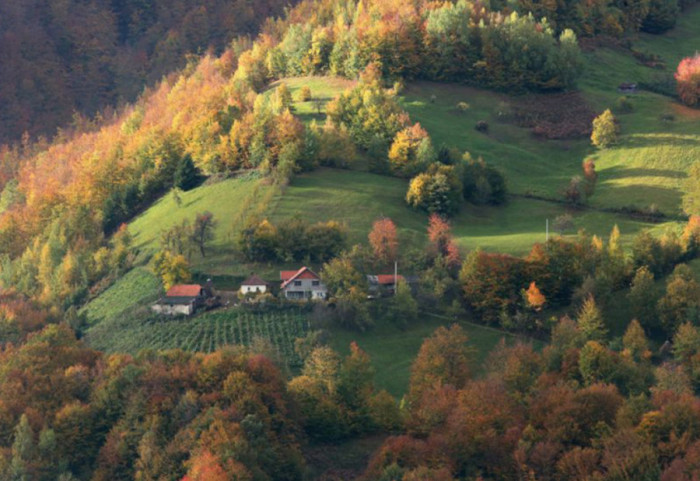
(605, 130)
(439, 190)
(305, 94)
(624, 105)
(462, 106)
(688, 80)
(482, 126)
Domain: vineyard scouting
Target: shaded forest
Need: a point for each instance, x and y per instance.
(76, 56)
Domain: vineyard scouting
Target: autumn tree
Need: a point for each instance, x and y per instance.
(437, 191)
(682, 299)
(444, 358)
(305, 94)
(384, 240)
(441, 240)
(590, 176)
(688, 80)
(534, 297)
(605, 130)
(171, 268)
(411, 151)
(590, 320)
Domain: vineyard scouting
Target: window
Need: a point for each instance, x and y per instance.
(315, 283)
(297, 283)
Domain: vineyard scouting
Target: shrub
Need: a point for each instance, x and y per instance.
(462, 106)
(563, 223)
(624, 105)
(482, 126)
(438, 191)
(688, 80)
(305, 94)
(605, 130)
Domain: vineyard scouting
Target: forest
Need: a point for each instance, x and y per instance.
(152, 143)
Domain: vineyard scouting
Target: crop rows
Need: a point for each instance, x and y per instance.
(209, 332)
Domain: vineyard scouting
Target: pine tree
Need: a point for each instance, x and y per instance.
(186, 175)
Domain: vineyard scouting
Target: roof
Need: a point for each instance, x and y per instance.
(254, 280)
(384, 279)
(303, 273)
(177, 300)
(184, 290)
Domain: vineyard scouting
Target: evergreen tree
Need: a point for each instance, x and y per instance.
(186, 174)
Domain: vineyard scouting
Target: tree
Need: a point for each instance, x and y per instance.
(411, 151)
(642, 297)
(605, 130)
(305, 94)
(688, 80)
(441, 241)
(681, 302)
(563, 223)
(443, 358)
(171, 268)
(187, 176)
(384, 240)
(403, 307)
(283, 98)
(635, 342)
(437, 191)
(203, 230)
(23, 451)
(590, 176)
(590, 320)
(534, 297)
(661, 17)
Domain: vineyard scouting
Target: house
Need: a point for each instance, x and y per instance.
(302, 284)
(254, 284)
(181, 299)
(383, 284)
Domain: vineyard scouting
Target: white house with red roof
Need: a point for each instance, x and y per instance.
(302, 284)
(181, 299)
(254, 284)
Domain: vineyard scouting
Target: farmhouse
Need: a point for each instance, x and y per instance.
(254, 284)
(302, 284)
(181, 299)
(383, 284)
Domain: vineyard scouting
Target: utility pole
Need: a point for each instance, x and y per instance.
(396, 275)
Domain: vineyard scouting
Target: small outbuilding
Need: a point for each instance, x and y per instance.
(181, 299)
(254, 285)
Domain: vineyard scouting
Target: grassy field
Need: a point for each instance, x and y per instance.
(393, 350)
(358, 198)
(137, 287)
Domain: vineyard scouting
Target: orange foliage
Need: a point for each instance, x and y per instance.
(384, 240)
(688, 80)
(535, 298)
(205, 467)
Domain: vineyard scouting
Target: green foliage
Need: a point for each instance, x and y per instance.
(590, 321)
(437, 191)
(292, 240)
(662, 16)
(642, 297)
(187, 176)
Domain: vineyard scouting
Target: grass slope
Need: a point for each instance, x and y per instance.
(138, 286)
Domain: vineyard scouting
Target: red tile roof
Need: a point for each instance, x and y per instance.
(303, 273)
(286, 275)
(388, 278)
(184, 290)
